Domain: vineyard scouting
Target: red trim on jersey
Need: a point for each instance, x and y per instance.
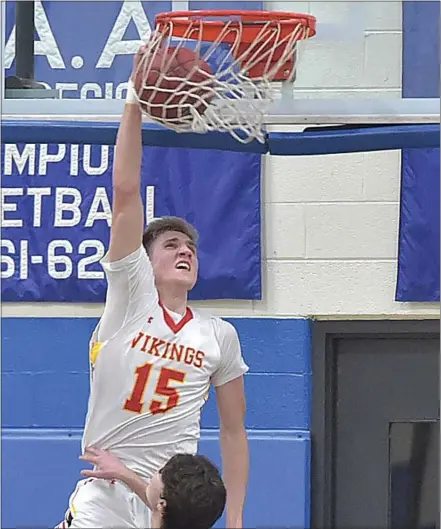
(176, 327)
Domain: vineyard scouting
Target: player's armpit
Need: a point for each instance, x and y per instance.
(232, 364)
(131, 292)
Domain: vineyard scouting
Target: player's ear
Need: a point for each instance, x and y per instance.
(161, 506)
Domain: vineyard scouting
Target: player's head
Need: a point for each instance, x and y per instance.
(188, 492)
(171, 244)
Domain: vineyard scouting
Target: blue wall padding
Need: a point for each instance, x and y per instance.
(44, 397)
(312, 142)
(346, 140)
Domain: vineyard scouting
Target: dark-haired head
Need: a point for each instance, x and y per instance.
(188, 492)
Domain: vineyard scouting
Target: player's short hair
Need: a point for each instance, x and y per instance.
(194, 492)
(164, 224)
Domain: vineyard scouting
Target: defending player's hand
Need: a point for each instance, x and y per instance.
(107, 465)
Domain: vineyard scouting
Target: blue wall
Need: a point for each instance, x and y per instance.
(44, 398)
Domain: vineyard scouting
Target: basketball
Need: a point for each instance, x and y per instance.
(172, 82)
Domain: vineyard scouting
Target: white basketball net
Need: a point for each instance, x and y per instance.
(239, 102)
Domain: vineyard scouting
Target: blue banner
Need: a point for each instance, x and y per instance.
(56, 199)
(56, 208)
(419, 238)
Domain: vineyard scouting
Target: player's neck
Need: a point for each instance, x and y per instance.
(175, 301)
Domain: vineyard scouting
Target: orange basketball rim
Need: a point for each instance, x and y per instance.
(242, 29)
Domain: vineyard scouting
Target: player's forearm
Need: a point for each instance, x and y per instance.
(128, 152)
(135, 483)
(127, 209)
(235, 462)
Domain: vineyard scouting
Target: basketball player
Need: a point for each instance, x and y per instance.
(153, 357)
(187, 492)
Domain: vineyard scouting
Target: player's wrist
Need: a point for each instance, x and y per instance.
(132, 97)
(127, 476)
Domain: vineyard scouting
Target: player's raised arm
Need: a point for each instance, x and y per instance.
(127, 210)
(131, 288)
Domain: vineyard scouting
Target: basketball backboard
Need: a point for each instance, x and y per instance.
(344, 74)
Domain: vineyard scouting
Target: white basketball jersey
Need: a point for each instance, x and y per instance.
(151, 370)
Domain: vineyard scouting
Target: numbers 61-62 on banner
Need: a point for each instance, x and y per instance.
(60, 259)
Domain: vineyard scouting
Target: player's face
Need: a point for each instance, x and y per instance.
(174, 260)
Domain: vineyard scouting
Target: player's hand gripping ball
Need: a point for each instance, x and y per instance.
(171, 81)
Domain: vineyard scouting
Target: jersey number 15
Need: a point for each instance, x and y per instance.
(168, 395)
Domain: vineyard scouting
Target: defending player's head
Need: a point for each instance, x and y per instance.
(187, 493)
(171, 244)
